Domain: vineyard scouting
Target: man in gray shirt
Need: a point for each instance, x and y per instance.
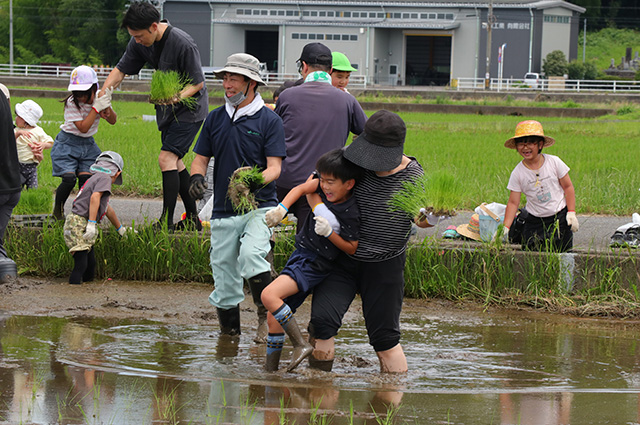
(167, 48)
(317, 118)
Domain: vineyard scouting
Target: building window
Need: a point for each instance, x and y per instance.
(346, 14)
(305, 13)
(397, 15)
(330, 14)
(314, 13)
(312, 36)
(322, 13)
(414, 16)
(319, 36)
(353, 38)
(264, 12)
(281, 12)
(239, 11)
(289, 12)
(295, 36)
(440, 15)
(303, 36)
(355, 14)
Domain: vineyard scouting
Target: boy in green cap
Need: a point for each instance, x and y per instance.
(341, 72)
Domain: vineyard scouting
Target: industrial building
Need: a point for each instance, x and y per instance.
(389, 42)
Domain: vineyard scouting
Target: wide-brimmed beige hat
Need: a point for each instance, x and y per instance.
(529, 128)
(471, 230)
(243, 64)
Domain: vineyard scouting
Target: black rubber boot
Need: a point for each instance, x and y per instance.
(62, 193)
(256, 285)
(229, 321)
(301, 348)
(90, 273)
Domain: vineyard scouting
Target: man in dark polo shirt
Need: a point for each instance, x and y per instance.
(167, 48)
(317, 118)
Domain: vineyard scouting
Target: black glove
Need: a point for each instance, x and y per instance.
(197, 186)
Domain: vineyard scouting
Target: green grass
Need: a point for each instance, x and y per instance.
(34, 201)
(607, 44)
(598, 151)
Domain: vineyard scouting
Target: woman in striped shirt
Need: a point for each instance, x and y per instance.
(376, 270)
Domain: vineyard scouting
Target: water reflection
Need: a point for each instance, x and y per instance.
(464, 368)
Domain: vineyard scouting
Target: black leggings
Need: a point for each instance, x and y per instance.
(381, 287)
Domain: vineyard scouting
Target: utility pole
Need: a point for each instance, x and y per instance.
(584, 41)
(487, 76)
(11, 36)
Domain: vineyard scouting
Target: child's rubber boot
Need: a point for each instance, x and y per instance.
(301, 348)
(256, 285)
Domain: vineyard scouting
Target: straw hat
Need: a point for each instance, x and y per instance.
(529, 128)
(471, 230)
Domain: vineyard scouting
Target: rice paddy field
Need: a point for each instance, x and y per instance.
(602, 153)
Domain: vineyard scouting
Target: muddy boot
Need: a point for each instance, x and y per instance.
(256, 285)
(301, 348)
(274, 350)
(229, 321)
(321, 360)
(270, 259)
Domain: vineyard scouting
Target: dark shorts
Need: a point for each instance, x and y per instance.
(73, 154)
(29, 175)
(178, 137)
(381, 287)
(547, 233)
(308, 270)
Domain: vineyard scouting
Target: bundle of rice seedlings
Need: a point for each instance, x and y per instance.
(239, 192)
(166, 85)
(439, 193)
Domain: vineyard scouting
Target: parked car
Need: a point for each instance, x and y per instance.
(532, 80)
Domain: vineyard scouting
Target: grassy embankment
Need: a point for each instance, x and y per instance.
(603, 169)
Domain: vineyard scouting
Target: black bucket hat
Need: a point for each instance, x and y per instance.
(380, 146)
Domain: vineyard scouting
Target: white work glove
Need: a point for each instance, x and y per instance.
(122, 230)
(103, 102)
(322, 227)
(431, 218)
(321, 210)
(275, 215)
(91, 231)
(572, 221)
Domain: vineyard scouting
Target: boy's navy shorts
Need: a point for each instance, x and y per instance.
(179, 136)
(308, 270)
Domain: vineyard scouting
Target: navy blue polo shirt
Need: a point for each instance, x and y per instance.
(246, 142)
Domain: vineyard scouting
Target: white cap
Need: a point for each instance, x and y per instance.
(82, 78)
(29, 111)
(5, 90)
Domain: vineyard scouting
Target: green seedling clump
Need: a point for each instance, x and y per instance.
(239, 192)
(166, 85)
(440, 193)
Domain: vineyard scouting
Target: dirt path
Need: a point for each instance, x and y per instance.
(174, 303)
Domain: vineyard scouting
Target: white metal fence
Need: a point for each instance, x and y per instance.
(551, 85)
(63, 71)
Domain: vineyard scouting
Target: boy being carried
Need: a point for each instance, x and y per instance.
(91, 204)
(334, 229)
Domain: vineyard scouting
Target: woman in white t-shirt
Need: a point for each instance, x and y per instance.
(551, 198)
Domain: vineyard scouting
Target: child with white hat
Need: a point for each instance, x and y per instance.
(75, 149)
(31, 140)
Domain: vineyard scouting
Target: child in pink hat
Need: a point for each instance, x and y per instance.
(551, 198)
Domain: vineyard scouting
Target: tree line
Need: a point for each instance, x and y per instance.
(64, 31)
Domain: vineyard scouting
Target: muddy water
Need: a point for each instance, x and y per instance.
(465, 368)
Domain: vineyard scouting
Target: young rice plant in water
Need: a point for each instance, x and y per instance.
(166, 85)
(439, 193)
